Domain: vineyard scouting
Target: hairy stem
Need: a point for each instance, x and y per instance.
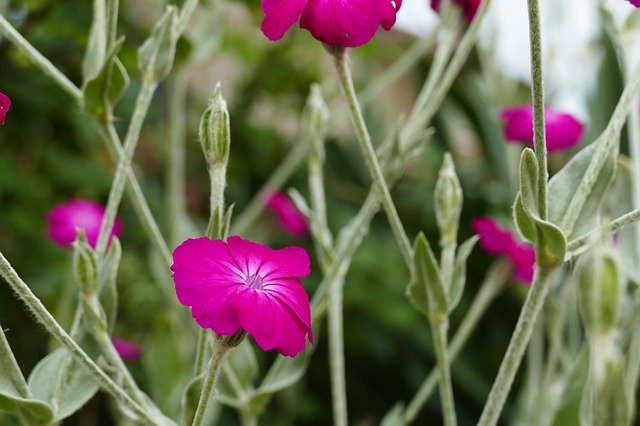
(439, 329)
(209, 383)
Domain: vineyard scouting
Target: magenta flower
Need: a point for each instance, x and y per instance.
(64, 219)
(5, 104)
(239, 284)
(636, 3)
(348, 23)
(469, 8)
(563, 130)
(128, 350)
(291, 219)
(500, 241)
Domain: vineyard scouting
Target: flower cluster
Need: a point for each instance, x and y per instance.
(496, 240)
(64, 219)
(345, 23)
(291, 219)
(563, 131)
(5, 104)
(241, 285)
(469, 8)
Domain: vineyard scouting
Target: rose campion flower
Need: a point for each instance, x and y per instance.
(128, 350)
(241, 285)
(63, 220)
(469, 8)
(494, 239)
(348, 23)
(636, 3)
(5, 104)
(291, 219)
(563, 131)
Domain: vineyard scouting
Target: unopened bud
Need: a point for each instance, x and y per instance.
(448, 202)
(315, 119)
(214, 132)
(85, 264)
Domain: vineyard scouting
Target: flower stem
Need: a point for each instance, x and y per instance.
(439, 327)
(336, 352)
(201, 350)
(346, 81)
(124, 163)
(492, 285)
(209, 383)
(537, 94)
(44, 318)
(517, 346)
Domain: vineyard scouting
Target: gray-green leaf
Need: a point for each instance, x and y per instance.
(155, 56)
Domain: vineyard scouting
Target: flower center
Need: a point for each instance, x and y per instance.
(254, 282)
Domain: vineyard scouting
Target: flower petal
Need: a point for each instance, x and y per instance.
(291, 219)
(254, 258)
(291, 292)
(518, 123)
(523, 257)
(563, 130)
(279, 16)
(388, 10)
(207, 279)
(5, 104)
(493, 238)
(272, 324)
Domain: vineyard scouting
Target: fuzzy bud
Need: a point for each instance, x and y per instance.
(448, 202)
(214, 131)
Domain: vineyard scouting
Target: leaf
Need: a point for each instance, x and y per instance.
(284, 373)
(529, 181)
(95, 53)
(108, 291)
(155, 56)
(426, 290)
(190, 399)
(238, 375)
(564, 186)
(13, 401)
(460, 272)
(395, 416)
(75, 390)
(524, 224)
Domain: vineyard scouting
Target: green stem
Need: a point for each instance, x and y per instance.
(11, 368)
(188, 7)
(517, 346)
(177, 204)
(209, 383)
(492, 285)
(537, 94)
(44, 318)
(439, 329)
(281, 174)
(346, 81)
(218, 177)
(319, 224)
(336, 353)
(124, 163)
(575, 247)
(201, 350)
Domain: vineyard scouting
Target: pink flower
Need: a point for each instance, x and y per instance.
(563, 131)
(498, 240)
(348, 23)
(239, 284)
(469, 8)
(291, 219)
(128, 350)
(636, 3)
(5, 104)
(65, 218)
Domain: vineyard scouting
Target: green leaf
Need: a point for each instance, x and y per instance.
(238, 375)
(155, 56)
(529, 181)
(108, 291)
(524, 224)
(190, 399)
(460, 272)
(564, 186)
(75, 390)
(13, 401)
(284, 373)
(94, 56)
(426, 290)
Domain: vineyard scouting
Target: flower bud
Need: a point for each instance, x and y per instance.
(85, 265)
(448, 202)
(214, 131)
(600, 291)
(315, 119)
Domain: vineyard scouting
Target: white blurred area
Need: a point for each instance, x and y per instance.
(571, 31)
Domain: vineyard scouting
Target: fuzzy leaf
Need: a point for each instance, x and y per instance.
(238, 375)
(426, 290)
(155, 56)
(108, 292)
(529, 181)
(13, 401)
(460, 272)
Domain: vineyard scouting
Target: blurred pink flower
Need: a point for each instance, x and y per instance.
(498, 240)
(636, 3)
(348, 23)
(291, 219)
(563, 131)
(239, 284)
(469, 8)
(5, 104)
(63, 220)
(128, 350)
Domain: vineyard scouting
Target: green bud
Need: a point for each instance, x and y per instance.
(448, 202)
(155, 56)
(214, 131)
(314, 121)
(85, 265)
(600, 291)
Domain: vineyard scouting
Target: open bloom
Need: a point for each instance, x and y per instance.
(5, 104)
(348, 23)
(64, 219)
(128, 350)
(291, 219)
(239, 284)
(563, 131)
(495, 239)
(469, 8)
